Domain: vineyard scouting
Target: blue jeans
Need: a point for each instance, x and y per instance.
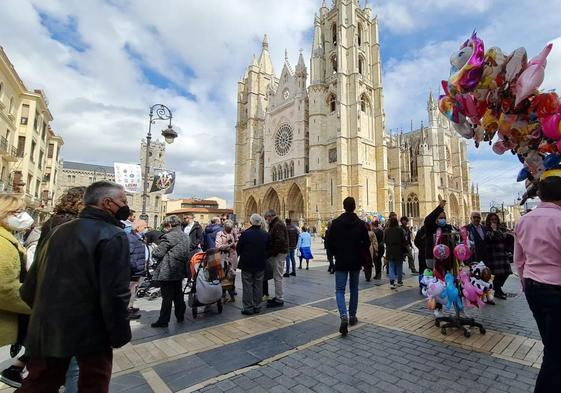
(71, 383)
(396, 269)
(290, 259)
(340, 285)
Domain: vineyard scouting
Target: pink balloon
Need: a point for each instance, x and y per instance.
(441, 251)
(516, 63)
(551, 126)
(532, 77)
(462, 252)
(464, 129)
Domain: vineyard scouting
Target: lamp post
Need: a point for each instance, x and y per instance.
(157, 112)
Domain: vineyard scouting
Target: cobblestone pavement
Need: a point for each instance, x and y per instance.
(375, 359)
(395, 347)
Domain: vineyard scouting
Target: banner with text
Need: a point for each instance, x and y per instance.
(129, 176)
(163, 181)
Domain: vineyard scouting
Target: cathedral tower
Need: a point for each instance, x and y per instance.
(348, 153)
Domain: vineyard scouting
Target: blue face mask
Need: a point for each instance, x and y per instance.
(441, 222)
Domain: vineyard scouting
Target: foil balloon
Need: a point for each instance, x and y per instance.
(545, 104)
(467, 65)
(468, 107)
(462, 251)
(551, 126)
(499, 147)
(441, 251)
(516, 64)
(532, 77)
(464, 129)
(523, 174)
(551, 161)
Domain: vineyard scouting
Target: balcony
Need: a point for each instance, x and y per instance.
(8, 152)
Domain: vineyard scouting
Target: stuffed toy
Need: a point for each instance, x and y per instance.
(471, 293)
(452, 293)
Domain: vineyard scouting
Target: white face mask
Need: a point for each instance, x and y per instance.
(19, 222)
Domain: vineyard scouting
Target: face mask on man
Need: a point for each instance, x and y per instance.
(441, 222)
(19, 222)
(122, 213)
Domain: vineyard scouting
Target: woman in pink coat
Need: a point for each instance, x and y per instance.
(226, 241)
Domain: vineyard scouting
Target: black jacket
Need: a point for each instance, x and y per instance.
(252, 249)
(430, 231)
(420, 244)
(293, 234)
(396, 243)
(78, 288)
(278, 238)
(479, 251)
(196, 235)
(348, 240)
(172, 255)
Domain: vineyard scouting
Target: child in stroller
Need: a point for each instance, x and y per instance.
(205, 272)
(147, 287)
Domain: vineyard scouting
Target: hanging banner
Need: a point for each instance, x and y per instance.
(163, 181)
(129, 176)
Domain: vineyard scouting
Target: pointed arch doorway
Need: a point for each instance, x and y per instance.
(295, 204)
(272, 201)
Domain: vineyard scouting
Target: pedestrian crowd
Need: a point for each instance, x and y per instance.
(69, 286)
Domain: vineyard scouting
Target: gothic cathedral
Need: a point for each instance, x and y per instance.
(301, 149)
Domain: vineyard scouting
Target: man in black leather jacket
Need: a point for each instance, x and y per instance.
(78, 290)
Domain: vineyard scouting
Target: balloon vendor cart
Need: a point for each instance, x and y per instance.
(450, 283)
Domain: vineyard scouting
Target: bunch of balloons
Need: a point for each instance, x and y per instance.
(493, 96)
(370, 217)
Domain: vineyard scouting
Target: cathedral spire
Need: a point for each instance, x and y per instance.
(265, 58)
(301, 65)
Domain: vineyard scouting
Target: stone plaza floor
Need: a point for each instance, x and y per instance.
(297, 348)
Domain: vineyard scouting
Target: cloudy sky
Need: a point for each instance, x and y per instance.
(102, 63)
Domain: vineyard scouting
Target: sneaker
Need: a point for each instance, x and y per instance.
(248, 312)
(293, 274)
(134, 309)
(12, 376)
(400, 283)
(344, 327)
(392, 286)
(377, 277)
(133, 315)
(286, 275)
(437, 313)
(266, 298)
(275, 303)
(159, 324)
(257, 310)
(353, 321)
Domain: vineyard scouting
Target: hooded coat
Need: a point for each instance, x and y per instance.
(12, 261)
(348, 240)
(172, 255)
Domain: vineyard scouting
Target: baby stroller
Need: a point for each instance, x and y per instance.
(148, 288)
(204, 285)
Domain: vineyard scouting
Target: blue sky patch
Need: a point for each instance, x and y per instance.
(64, 31)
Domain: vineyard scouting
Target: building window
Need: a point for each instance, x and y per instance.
(36, 121)
(390, 201)
(43, 131)
(33, 144)
(332, 103)
(332, 155)
(359, 34)
(363, 103)
(37, 187)
(292, 169)
(11, 110)
(41, 155)
(334, 34)
(360, 65)
(285, 171)
(28, 185)
(274, 175)
(334, 64)
(21, 146)
(412, 206)
(24, 114)
(51, 150)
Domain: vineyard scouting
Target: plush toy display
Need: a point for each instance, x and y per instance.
(452, 293)
(471, 293)
(482, 279)
(462, 251)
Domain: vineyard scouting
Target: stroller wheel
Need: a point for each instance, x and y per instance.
(194, 312)
(140, 293)
(220, 307)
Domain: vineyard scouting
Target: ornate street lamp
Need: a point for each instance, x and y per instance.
(157, 112)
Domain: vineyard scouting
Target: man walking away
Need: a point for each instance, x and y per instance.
(348, 240)
(537, 255)
(80, 309)
(409, 254)
(277, 251)
(293, 235)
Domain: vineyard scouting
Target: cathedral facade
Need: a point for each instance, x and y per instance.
(301, 149)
